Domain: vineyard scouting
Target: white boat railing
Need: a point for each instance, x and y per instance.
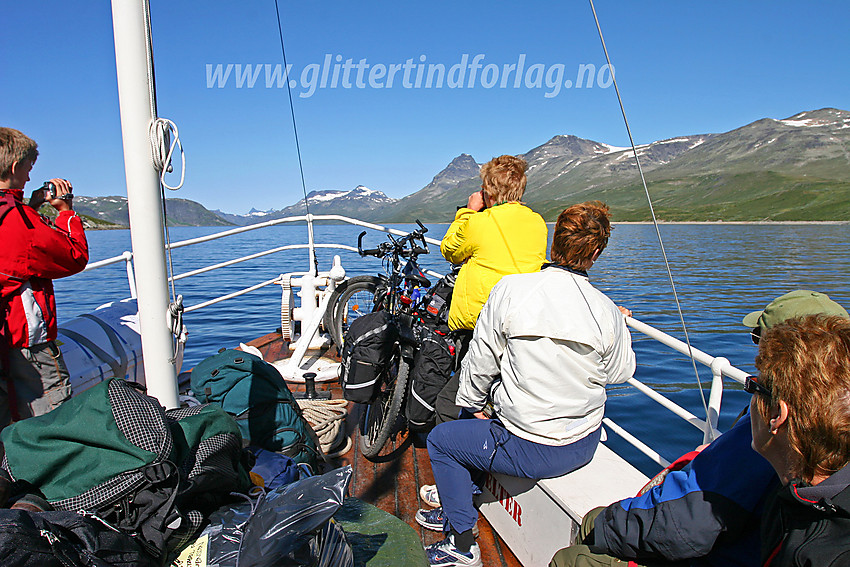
(719, 366)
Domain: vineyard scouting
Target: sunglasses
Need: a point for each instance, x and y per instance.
(751, 386)
(755, 334)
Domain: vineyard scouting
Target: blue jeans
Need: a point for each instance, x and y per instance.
(467, 447)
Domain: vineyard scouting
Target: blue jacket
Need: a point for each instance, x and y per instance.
(709, 513)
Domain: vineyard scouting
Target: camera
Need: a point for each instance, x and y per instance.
(51, 189)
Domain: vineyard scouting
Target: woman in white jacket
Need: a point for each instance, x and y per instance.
(544, 348)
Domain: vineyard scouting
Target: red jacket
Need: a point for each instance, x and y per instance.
(34, 251)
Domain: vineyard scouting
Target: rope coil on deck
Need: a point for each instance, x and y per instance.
(327, 418)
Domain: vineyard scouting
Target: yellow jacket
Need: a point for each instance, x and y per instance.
(501, 240)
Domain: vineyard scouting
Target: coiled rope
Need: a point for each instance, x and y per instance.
(163, 132)
(327, 418)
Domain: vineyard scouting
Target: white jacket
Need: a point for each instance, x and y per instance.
(544, 348)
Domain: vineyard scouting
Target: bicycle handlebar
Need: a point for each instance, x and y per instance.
(397, 246)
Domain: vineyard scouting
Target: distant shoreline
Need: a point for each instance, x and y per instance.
(731, 222)
(713, 223)
(772, 223)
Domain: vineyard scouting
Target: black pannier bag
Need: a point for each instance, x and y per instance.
(432, 368)
(367, 348)
(434, 305)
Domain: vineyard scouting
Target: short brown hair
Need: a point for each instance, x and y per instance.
(14, 147)
(805, 362)
(503, 178)
(580, 231)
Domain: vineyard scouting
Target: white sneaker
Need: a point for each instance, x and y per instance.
(445, 554)
(429, 495)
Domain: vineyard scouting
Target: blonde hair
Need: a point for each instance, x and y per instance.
(14, 147)
(581, 230)
(503, 179)
(805, 362)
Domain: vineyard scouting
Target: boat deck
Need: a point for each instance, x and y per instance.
(393, 486)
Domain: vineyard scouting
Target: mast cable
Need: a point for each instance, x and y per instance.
(160, 130)
(652, 212)
(295, 130)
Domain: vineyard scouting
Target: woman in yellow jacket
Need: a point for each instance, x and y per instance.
(493, 236)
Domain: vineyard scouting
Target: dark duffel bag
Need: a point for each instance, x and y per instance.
(367, 349)
(432, 368)
(62, 539)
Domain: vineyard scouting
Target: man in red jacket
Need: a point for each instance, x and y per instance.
(33, 251)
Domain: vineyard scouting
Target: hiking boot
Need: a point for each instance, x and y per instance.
(429, 495)
(445, 554)
(434, 520)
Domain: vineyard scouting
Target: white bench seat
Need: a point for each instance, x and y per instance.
(537, 518)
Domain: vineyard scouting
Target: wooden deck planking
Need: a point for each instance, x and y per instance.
(392, 486)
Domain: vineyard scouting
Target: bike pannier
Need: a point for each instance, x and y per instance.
(434, 306)
(432, 368)
(367, 349)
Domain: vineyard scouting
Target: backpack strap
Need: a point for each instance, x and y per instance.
(7, 203)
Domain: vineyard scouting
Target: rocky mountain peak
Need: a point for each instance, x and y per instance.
(569, 146)
(463, 166)
(825, 117)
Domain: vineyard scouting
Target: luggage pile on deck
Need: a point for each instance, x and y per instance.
(112, 478)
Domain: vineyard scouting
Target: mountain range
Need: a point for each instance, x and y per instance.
(797, 168)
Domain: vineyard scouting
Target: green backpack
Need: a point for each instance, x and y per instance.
(115, 453)
(254, 392)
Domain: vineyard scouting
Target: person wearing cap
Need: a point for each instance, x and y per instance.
(801, 425)
(797, 303)
(709, 514)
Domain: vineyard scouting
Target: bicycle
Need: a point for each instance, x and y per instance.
(398, 293)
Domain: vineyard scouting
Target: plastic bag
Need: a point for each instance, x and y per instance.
(290, 525)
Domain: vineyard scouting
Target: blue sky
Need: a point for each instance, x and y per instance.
(683, 68)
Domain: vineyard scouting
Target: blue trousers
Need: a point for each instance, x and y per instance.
(462, 450)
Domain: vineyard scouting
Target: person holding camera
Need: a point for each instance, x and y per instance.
(36, 250)
(544, 348)
(493, 235)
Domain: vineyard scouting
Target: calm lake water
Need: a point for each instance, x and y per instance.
(722, 272)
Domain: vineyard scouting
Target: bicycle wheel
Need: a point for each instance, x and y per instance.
(355, 297)
(378, 419)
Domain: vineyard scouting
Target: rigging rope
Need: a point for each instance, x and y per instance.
(295, 130)
(652, 211)
(159, 132)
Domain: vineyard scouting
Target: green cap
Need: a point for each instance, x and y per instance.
(797, 303)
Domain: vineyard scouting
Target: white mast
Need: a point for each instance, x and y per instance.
(131, 26)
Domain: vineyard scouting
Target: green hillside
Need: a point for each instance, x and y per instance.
(792, 169)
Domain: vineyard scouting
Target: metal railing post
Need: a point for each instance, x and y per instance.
(714, 398)
(131, 276)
